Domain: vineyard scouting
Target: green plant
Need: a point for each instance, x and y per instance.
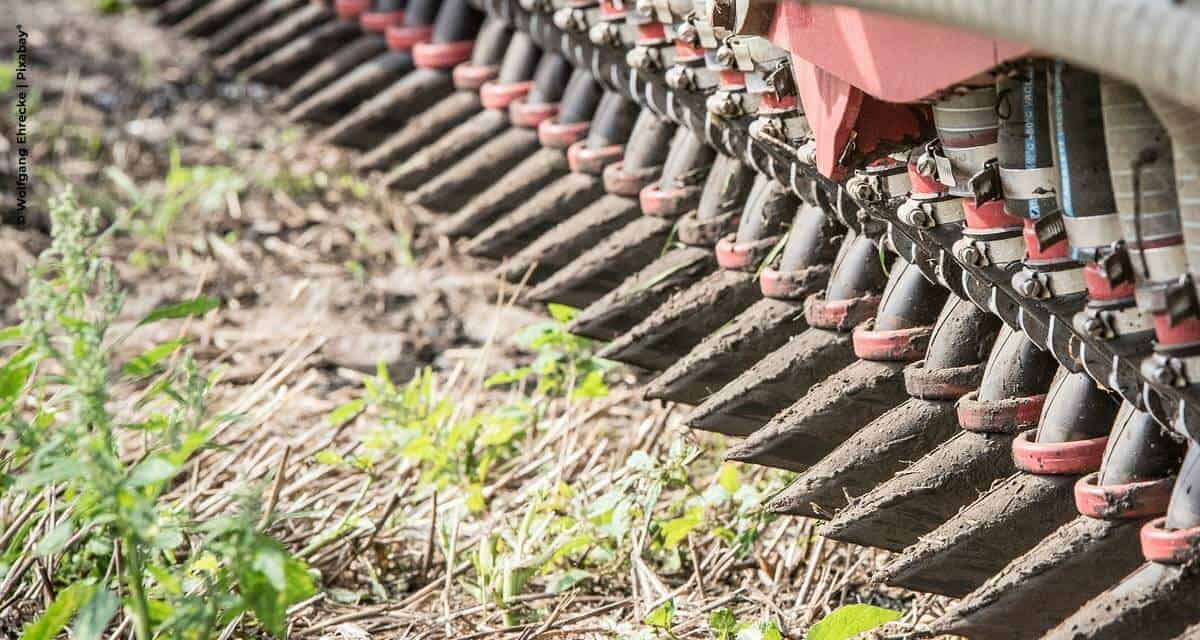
(202, 188)
(566, 364)
(847, 621)
(121, 538)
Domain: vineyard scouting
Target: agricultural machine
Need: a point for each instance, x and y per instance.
(934, 256)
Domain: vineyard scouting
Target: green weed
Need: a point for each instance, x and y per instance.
(102, 479)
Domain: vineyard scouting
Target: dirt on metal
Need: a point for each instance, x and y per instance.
(918, 499)
(678, 326)
(447, 149)
(771, 385)
(557, 247)
(868, 458)
(606, 266)
(766, 326)
(1049, 582)
(421, 131)
(548, 207)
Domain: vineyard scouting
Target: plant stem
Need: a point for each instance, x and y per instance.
(137, 592)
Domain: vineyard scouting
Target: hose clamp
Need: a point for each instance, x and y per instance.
(992, 247)
(1029, 184)
(793, 285)
(1093, 231)
(1110, 321)
(928, 210)
(1043, 284)
(840, 315)
(946, 383)
(742, 256)
(896, 345)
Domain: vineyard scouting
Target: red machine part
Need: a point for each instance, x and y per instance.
(853, 68)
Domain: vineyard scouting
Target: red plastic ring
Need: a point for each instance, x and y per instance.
(733, 255)
(379, 21)
(553, 134)
(1008, 415)
(402, 38)
(530, 115)
(1168, 546)
(351, 9)
(1126, 501)
(1099, 288)
(583, 159)
(840, 315)
(947, 383)
(1057, 458)
(610, 10)
(772, 101)
(441, 55)
(895, 345)
(495, 95)
(470, 77)
(668, 203)
(793, 285)
(628, 183)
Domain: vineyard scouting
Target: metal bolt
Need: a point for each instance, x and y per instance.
(971, 255)
(731, 105)
(604, 33)
(689, 35)
(1030, 287)
(725, 57)
(1095, 327)
(680, 78)
(1163, 374)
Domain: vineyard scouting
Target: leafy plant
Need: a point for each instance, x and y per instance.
(566, 364)
(185, 187)
(75, 459)
(850, 620)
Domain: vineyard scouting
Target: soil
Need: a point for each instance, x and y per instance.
(322, 274)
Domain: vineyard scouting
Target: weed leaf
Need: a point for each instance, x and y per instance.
(94, 617)
(662, 615)
(344, 413)
(850, 620)
(59, 613)
(146, 364)
(187, 308)
(151, 471)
